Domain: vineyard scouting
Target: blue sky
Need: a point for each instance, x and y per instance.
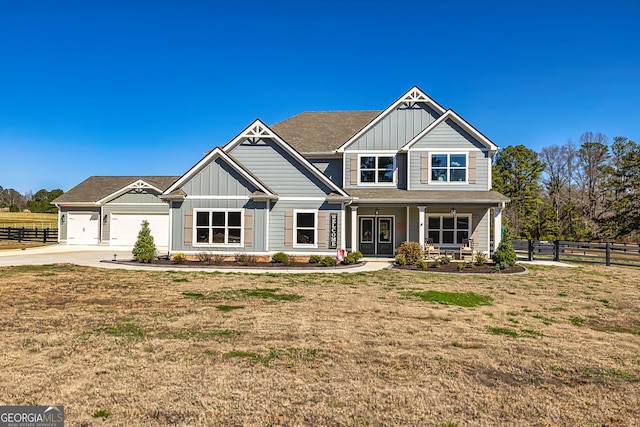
(145, 87)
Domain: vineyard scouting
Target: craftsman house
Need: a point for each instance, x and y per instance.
(314, 183)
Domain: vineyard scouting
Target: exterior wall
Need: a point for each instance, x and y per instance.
(332, 168)
(218, 178)
(279, 170)
(64, 210)
(480, 223)
(396, 129)
(449, 138)
(120, 207)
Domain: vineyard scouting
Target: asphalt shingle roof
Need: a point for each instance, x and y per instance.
(96, 188)
(395, 195)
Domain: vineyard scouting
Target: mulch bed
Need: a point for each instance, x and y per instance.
(452, 267)
(162, 262)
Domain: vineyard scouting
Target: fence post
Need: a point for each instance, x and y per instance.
(20, 234)
(608, 253)
(529, 250)
(556, 250)
(45, 234)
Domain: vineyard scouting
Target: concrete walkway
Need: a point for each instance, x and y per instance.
(95, 256)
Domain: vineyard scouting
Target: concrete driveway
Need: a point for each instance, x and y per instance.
(94, 256)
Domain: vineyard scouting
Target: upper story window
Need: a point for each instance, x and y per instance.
(305, 228)
(449, 167)
(218, 227)
(377, 169)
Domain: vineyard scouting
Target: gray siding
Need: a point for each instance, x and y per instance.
(480, 219)
(332, 168)
(483, 165)
(218, 178)
(448, 135)
(279, 170)
(142, 198)
(396, 129)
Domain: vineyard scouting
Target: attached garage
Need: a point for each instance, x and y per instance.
(83, 228)
(126, 226)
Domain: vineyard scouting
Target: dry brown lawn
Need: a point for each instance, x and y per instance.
(556, 347)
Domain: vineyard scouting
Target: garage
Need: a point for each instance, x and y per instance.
(126, 226)
(83, 228)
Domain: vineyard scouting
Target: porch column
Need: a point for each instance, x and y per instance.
(421, 223)
(354, 228)
(497, 227)
(343, 227)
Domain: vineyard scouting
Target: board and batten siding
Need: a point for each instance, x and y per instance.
(332, 168)
(218, 178)
(279, 170)
(396, 129)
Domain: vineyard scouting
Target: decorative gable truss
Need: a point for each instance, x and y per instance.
(140, 186)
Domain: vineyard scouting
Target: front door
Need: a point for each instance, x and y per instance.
(376, 235)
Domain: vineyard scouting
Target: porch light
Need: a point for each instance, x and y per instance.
(62, 219)
(453, 211)
(377, 211)
(104, 218)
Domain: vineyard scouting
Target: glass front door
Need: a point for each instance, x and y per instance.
(376, 235)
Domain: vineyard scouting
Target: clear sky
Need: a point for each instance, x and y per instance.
(145, 87)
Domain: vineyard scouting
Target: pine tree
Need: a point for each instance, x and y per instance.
(505, 255)
(144, 249)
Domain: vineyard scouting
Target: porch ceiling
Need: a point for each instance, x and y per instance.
(394, 195)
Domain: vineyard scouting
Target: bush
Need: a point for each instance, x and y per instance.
(204, 257)
(280, 258)
(315, 259)
(357, 254)
(421, 264)
(412, 251)
(480, 258)
(179, 258)
(328, 261)
(217, 259)
(349, 259)
(445, 260)
(246, 259)
(505, 254)
(401, 260)
(144, 250)
(461, 266)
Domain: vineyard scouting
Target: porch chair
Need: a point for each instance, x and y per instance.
(466, 250)
(431, 251)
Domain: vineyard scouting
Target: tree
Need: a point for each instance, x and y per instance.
(505, 255)
(10, 197)
(145, 249)
(516, 174)
(592, 159)
(41, 201)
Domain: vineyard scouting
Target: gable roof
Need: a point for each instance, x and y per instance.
(322, 132)
(258, 130)
(413, 96)
(210, 157)
(97, 189)
(452, 115)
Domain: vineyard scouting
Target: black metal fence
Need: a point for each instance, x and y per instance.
(595, 252)
(44, 235)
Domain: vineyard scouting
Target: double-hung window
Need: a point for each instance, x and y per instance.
(305, 228)
(377, 169)
(449, 167)
(219, 227)
(448, 230)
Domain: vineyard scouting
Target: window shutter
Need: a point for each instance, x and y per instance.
(322, 230)
(475, 227)
(354, 169)
(248, 227)
(288, 228)
(424, 168)
(472, 167)
(188, 227)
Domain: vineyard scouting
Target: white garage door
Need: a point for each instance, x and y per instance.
(83, 228)
(125, 228)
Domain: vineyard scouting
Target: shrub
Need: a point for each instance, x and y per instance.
(401, 260)
(280, 257)
(328, 261)
(349, 259)
(437, 263)
(178, 258)
(217, 259)
(357, 254)
(144, 250)
(246, 259)
(421, 264)
(315, 259)
(461, 266)
(445, 260)
(412, 251)
(480, 258)
(505, 254)
(204, 257)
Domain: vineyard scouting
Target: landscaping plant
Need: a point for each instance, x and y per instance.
(145, 249)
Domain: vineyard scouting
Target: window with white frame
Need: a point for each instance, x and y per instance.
(305, 227)
(377, 169)
(218, 227)
(449, 167)
(448, 230)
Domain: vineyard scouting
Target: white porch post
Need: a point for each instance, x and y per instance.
(497, 227)
(354, 228)
(421, 223)
(343, 227)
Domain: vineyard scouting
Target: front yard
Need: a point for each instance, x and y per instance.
(557, 346)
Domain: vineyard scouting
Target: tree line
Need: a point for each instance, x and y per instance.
(588, 190)
(40, 202)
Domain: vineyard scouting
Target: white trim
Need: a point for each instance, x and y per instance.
(218, 197)
(194, 240)
(140, 183)
(411, 97)
(454, 229)
(374, 152)
(170, 243)
(304, 199)
(393, 183)
(448, 150)
(258, 130)
(136, 204)
(354, 229)
(266, 226)
(449, 168)
(210, 157)
(450, 114)
(315, 228)
(343, 226)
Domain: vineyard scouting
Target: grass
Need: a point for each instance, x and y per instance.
(314, 349)
(28, 220)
